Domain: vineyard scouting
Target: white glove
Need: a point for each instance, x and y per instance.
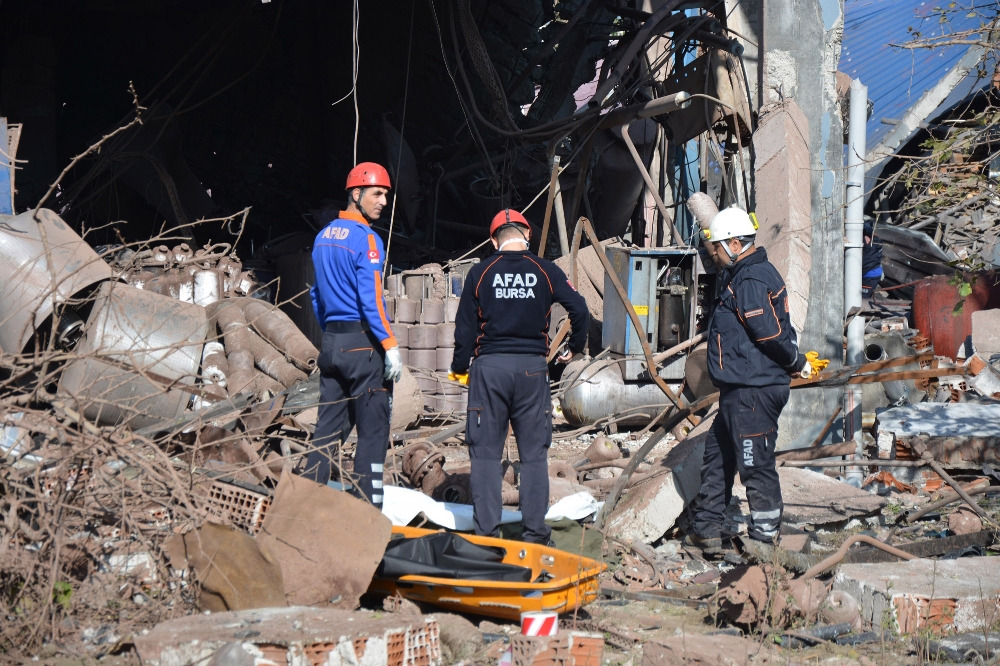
(393, 364)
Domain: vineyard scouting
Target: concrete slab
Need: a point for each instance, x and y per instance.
(296, 635)
(951, 595)
(937, 419)
(986, 332)
(652, 506)
(961, 434)
(817, 499)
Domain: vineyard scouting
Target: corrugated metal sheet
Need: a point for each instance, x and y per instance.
(896, 78)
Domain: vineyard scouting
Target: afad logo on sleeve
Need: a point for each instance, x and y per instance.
(373, 255)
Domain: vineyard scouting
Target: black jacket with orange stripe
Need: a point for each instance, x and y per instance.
(506, 306)
(750, 336)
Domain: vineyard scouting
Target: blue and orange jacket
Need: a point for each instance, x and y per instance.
(750, 336)
(347, 256)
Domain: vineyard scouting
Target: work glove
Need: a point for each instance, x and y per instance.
(460, 377)
(393, 365)
(565, 357)
(814, 365)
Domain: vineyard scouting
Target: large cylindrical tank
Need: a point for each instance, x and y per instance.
(935, 303)
(29, 286)
(139, 352)
(617, 180)
(598, 391)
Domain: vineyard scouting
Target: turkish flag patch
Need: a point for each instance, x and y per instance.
(373, 256)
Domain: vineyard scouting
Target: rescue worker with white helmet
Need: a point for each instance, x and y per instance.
(752, 352)
(360, 358)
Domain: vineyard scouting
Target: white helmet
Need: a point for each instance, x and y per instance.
(732, 222)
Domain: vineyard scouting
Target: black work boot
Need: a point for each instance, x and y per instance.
(707, 545)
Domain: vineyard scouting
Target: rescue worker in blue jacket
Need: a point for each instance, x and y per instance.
(501, 329)
(360, 359)
(752, 353)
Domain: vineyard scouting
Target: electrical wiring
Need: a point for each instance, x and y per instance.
(473, 130)
(402, 128)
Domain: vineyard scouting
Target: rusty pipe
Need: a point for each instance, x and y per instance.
(911, 516)
(214, 366)
(233, 325)
(275, 327)
(272, 362)
(262, 382)
(817, 452)
(842, 551)
(241, 372)
(957, 487)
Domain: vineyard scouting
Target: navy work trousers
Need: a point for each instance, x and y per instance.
(352, 393)
(510, 389)
(742, 438)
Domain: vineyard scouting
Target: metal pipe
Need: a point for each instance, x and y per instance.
(560, 212)
(853, 247)
(678, 239)
(842, 551)
(656, 107)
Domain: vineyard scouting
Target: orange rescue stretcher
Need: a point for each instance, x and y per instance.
(572, 584)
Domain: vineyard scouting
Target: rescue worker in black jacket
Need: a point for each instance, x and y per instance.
(752, 353)
(501, 329)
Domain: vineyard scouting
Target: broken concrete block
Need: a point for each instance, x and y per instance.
(327, 542)
(816, 499)
(946, 595)
(295, 636)
(986, 332)
(955, 434)
(566, 648)
(987, 379)
(235, 571)
(231, 654)
(964, 521)
(652, 506)
(708, 650)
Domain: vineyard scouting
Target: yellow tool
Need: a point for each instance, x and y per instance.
(463, 377)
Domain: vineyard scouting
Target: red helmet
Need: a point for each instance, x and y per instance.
(368, 174)
(508, 216)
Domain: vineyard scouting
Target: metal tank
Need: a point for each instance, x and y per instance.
(617, 180)
(139, 357)
(599, 391)
(29, 286)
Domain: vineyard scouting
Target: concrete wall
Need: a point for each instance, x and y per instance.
(784, 201)
(801, 49)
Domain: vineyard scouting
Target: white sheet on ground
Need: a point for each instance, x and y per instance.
(401, 506)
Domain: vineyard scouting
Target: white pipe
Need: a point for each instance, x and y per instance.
(560, 211)
(854, 241)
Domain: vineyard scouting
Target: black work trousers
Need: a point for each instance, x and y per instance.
(352, 392)
(514, 389)
(742, 438)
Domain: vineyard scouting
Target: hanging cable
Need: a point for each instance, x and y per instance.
(399, 157)
(357, 61)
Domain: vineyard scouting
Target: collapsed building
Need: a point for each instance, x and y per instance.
(160, 349)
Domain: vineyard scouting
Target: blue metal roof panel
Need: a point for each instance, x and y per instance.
(896, 78)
